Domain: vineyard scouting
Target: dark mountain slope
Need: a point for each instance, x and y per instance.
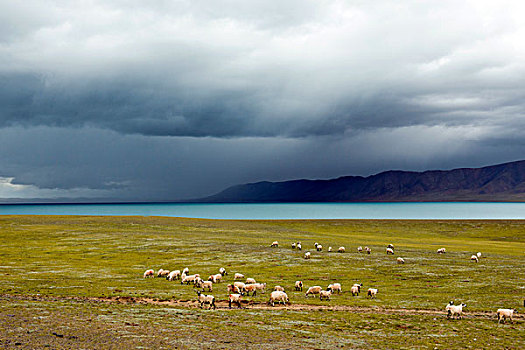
(503, 182)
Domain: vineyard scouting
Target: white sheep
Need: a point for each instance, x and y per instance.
(372, 292)
(368, 250)
(389, 251)
(254, 287)
(240, 285)
(232, 289)
(238, 276)
(503, 314)
(279, 288)
(188, 279)
(307, 255)
(359, 249)
(173, 275)
(313, 290)
(341, 250)
(299, 246)
(163, 273)
(206, 299)
(474, 258)
(355, 289)
(454, 310)
(391, 246)
(260, 287)
(185, 271)
(329, 249)
(234, 298)
(205, 285)
(319, 248)
(478, 254)
(293, 245)
(222, 271)
(274, 244)
(441, 251)
(149, 273)
(325, 294)
(215, 278)
(279, 297)
(250, 280)
(335, 287)
(299, 286)
(400, 260)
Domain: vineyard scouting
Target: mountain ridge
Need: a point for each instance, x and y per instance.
(494, 183)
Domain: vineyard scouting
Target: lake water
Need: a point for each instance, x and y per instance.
(283, 210)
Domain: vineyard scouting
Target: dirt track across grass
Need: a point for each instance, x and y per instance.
(246, 304)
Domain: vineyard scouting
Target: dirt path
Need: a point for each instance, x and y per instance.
(246, 304)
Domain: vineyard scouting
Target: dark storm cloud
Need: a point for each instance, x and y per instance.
(178, 99)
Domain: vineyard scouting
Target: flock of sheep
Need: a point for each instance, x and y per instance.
(238, 289)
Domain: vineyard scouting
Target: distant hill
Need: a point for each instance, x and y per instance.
(503, 182)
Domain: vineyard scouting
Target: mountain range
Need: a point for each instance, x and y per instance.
(496, 183)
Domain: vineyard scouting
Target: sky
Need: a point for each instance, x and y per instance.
(169, 100)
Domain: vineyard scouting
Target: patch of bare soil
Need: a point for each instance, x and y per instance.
(247, 304)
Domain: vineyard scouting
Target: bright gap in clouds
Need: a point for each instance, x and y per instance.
(8, 189)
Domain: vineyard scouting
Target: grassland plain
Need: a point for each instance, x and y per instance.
(61, 277)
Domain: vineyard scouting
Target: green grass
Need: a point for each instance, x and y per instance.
(67, 256)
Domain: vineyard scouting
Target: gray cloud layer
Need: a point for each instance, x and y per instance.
(204, 94)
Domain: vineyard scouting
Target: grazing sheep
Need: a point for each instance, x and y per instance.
(279, 288)
(313, 290)
(185, 271)
(368, 250)
(293, 245)
(329, 249)
(234, 298)
(319, 248)
(163, 273)
(299, 285)
(503, 314)
(240, 285)
(250, 280)
(232, 289)
(299, 246)
(251, 288)
(355, 290)
(238, 276)
(400, 260)
(325, 294)
(279, 297)
(389, 251)
(254, 287)
(260, 287)
(222, 271)
(454, 310)
(188, 279)
(335, 287)
(173, 275)
(206, 299)
(474, 258)
(149, 273)
(372, 292)
(359, 249)
(215, 278)
(274, 244)
(391, 246)
(478, 254)
(441, 251)
(341, 250)
(307, 255)
(205, 285)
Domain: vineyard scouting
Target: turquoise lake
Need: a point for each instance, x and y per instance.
(282, 210)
